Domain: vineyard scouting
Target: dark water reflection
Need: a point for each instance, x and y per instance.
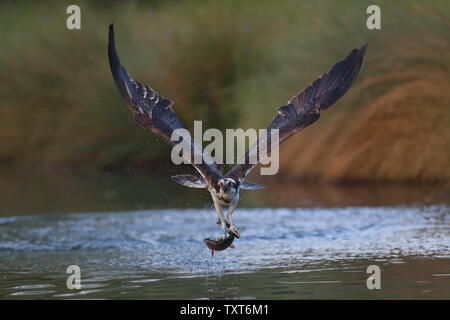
(315, 243)
(55, 194)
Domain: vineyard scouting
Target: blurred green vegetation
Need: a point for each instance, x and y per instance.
(230, 64)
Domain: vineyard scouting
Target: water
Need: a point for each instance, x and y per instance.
(140, 236)
(284, 253)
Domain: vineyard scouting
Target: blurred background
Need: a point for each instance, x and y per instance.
(66, 144)
(367, 184)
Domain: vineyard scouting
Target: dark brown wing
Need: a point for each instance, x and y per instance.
(304, 108)
(190, 181)
(154, 112)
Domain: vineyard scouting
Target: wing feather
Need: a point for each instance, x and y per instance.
(154, 112)
(304, 108)
(189, 181)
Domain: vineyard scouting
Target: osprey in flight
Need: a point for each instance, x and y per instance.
(155, 113)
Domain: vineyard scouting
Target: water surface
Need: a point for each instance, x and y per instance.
(284, 253)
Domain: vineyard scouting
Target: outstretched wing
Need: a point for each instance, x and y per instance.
(251, 186)
(190, 181)
(155, 113)
(303, 109)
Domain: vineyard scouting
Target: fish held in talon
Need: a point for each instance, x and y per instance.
(223, 241)
(155, 113)
(219, 244)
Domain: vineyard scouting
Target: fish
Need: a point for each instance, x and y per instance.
(219, 244)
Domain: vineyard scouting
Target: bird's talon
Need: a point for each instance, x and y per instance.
(234, 231)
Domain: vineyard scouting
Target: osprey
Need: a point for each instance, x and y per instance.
(154, 112)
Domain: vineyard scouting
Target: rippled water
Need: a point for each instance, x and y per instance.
(283, 253)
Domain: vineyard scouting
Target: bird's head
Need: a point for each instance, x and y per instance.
(227, 185)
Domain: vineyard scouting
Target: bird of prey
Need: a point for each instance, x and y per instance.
(155, 113)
